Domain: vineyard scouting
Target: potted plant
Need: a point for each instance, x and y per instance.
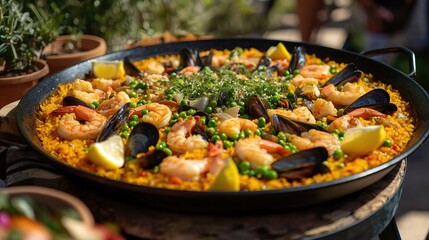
(68, 50)
(22, 39)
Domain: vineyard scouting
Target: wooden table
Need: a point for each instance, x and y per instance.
(361, 215)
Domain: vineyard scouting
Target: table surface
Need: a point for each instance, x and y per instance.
(360, 215)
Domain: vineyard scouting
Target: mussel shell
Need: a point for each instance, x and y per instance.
(73, 101)
(141, 138)
(115, 123)
(283, 124)
(298, 59)
(349, 74)
(302, 164)
(152, 159)
(223, 98)
(131, 69)
(377, 99)
(263, 62)
(285, 103)
(186, 58)
(257, 107)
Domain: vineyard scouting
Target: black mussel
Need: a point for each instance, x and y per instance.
(141, 138)
(223, 98)
(202, 62)
(298, 59)
(186, 58)
(286, 125)
(198, 129)
(152, 159)
(263, 62)
(302, 164)
(258, 107)
(349, 74)
(377, 99)
(285, 103)
(73, 101)
(208, 60)
(115, 123)
(131, 69)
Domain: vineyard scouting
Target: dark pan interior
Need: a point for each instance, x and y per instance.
(272, 200)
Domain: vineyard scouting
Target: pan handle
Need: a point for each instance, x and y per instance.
(411, 56)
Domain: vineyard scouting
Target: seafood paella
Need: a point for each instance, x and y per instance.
(225, 120)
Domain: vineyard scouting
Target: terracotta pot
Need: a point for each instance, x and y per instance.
(91, 46)
(13, 88)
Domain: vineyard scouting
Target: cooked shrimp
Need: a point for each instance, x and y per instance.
(298, 114)
(155, 67)
(190, 69)
(111, 106)
(180, 140)
(315, 71)
(84, 91)
(257, 151)
(322, 108)
(299, 81)
(349, 93)
(316, 138)
(159, 114)
(233, 126)
(105, 84)
(70, 128)
(82, 85)
(193, 169)
(351, 119)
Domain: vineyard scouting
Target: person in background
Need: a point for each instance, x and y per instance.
(307, 11)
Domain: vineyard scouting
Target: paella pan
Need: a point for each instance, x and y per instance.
(226, 120)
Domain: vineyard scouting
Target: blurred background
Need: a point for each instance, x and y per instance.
(343, 24)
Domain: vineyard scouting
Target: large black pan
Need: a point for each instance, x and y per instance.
(236, 201)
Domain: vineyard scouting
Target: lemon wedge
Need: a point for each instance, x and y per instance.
(108, 69)
(362, 140)
(228, 179)
(108, 154)
(278, 52)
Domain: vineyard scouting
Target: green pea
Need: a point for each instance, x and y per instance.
(227, 144)
(258, 132)
(145, 111)
(133, 104)
(92, 106)
(234, 137)
(143, 85)
(210, 131)
(251, 173)
(133, 85)
(134, 117)
(223, 136)
(184, 102)
(340, 165)
(208, 109)
(172, 122)
(241, 103)
(285, 73)
(365, 79)
(281, 136)
(340, 112)
(243, 165)
(291, 95)
(141, 101)
(161, 145)
(333, 70)
(132, 94)
(273, 131)
(129, 158)
(203, 120)
(156, 168)
(191, 112)
(213, 104)
(336, 131)
(212, 123)
(261, 171)
(214, 138)
(96, 104)
(387, 143)
(125, 128)
(341, 133)
(281, 142)
(175, 115)
(245, 116)
(247, 132)
(245, 172)
(262, 122)
(241, 135)
(148, 101)
(232, 104)
(183, 115)
(133, 123)
(170, 97)
(296, 72)
(167, 129)
(338, 154)
(271, 174)
(125, 134)
(167, 151)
